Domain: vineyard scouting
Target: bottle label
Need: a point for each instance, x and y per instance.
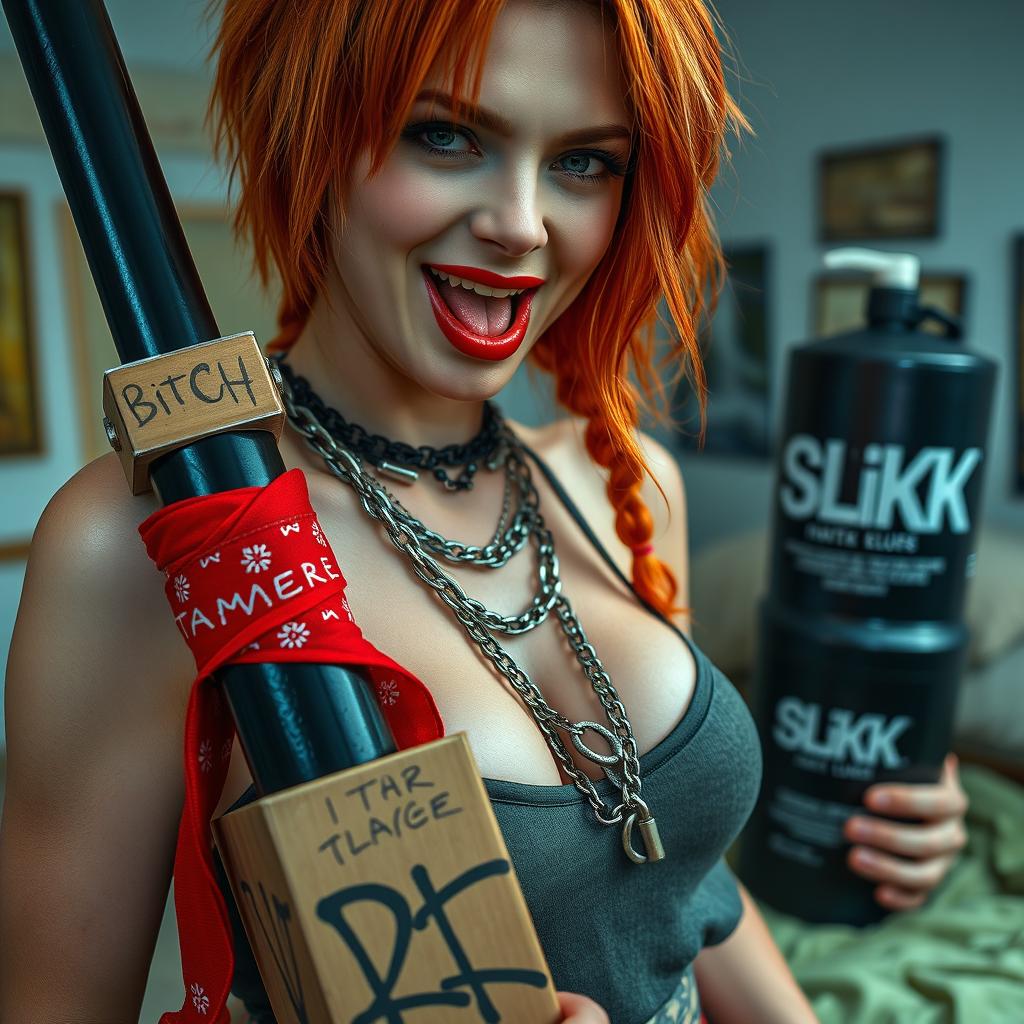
(923, 493)
(868, 521)
(838, 741)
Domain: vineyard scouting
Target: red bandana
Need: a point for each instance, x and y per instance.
(251, 577)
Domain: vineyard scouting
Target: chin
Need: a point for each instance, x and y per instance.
(469, 380)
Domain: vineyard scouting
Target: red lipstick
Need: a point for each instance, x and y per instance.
(468, 342)
(487, 277)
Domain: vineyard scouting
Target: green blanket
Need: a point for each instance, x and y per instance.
(958, 959)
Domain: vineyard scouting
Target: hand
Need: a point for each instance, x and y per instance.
(578, 1009)
(925, 850)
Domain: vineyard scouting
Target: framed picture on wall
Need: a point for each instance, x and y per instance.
(19, 405)
(1018, 361)
(735, 351)
(840, 301)
(884, 191)
(238, 302)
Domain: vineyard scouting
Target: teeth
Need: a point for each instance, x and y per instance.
(472, 286)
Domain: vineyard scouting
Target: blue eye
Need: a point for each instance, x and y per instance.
(442, 137)
(451, 142)
(439, 139)
(582, 162)
(576, 166)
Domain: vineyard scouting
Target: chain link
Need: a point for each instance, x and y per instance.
(379, 450)
(415, 540)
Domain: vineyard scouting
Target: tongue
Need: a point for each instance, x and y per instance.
(480, 313)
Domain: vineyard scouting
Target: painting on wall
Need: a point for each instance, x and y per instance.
(840, 301)
(19, 408)
(889, 191)
(1018, 363)
(238, 302)
(735, 351)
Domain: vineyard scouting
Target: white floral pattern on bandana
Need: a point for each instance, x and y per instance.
(293, 634)
(205, 755)
(319, 534)
(256, 558)
(200, 1000)
(389, 692)
(181, 588)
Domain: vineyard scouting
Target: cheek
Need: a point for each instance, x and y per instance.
(586, 231)
(400, 209)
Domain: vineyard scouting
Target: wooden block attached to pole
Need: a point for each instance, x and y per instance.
(154, 406)
(385, 889)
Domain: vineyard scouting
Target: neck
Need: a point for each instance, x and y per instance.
(333, 354)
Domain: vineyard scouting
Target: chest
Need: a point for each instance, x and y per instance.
(649, 666)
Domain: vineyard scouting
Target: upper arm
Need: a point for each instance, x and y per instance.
(95, 692)
(670, 537)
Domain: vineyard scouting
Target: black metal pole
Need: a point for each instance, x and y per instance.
(295, 722)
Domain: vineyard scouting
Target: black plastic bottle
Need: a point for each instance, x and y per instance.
(862, 639)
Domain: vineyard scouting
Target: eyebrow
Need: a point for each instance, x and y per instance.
(493, 122)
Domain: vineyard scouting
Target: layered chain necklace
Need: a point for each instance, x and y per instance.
(345, 452)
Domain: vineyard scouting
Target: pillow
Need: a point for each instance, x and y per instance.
(995, 597)
(986, 720)
(729, 577)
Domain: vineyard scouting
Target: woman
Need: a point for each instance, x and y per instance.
(398, 186)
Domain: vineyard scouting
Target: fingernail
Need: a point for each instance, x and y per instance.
(858, 828)
(880, 800)
(865, 857)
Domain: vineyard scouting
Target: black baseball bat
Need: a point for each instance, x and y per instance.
(296, 722)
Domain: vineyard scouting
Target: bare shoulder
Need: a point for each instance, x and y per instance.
(97, 681)
(95, 508)
(668, 509)
(90, 585)
(561, 444)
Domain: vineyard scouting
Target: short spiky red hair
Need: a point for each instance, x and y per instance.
(304, 86)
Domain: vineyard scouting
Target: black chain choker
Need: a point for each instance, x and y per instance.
(396, 458)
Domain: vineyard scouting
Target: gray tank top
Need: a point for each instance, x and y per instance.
(624, 934)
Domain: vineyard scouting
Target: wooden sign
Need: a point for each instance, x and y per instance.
(386, 890)
(153, 406)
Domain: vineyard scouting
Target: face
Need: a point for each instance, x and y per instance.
(528, 188)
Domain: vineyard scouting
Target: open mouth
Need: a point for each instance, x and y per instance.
(480, 321)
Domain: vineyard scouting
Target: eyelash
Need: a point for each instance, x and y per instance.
(614, 167)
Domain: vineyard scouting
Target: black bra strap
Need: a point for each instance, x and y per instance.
(570, 505)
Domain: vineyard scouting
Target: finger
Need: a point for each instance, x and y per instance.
(577, 1009)
(944, 799)
(919, 841)
(893, 898)
(905, 874)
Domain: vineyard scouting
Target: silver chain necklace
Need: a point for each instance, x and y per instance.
(415, 540)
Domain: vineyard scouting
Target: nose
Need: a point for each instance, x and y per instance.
(510, 215)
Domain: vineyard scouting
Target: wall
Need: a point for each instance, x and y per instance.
(816, 75)
(168, 35)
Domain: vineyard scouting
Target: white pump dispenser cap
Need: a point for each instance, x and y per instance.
(891, 269)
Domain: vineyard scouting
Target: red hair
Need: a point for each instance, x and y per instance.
(303, 87)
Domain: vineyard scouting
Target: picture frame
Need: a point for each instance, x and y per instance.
(1017, 319)
(225, 268)
(736, 352)
(890, 190)
(839, 301)
(20, 426)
